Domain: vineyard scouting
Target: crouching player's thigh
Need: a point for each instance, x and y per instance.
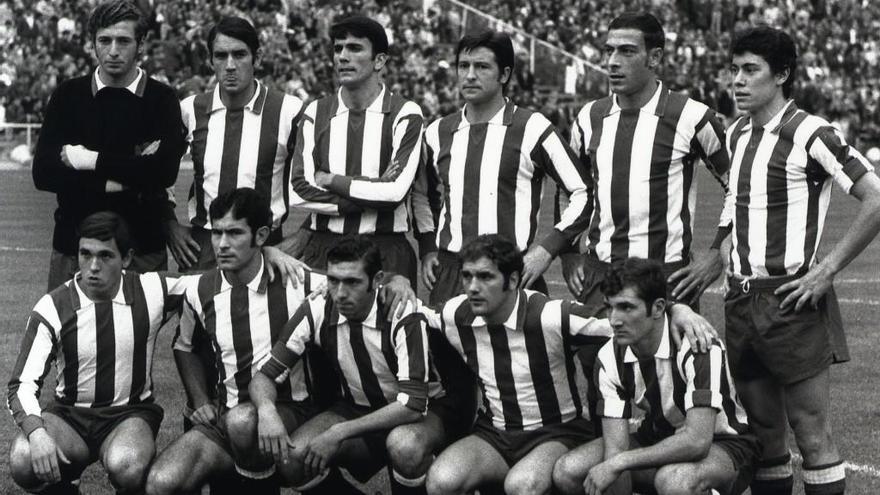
(728, 468)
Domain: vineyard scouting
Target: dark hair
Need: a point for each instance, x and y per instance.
(650, 27)
(361, 27)
(506, 256)
(104, 226)
(357, 248)
(644, 276)
(773, 45)
(245, 203)
(109, 13)
(238, 28)
(496, 41)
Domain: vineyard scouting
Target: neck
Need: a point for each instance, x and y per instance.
(501, 314)
(639, 99)
(478, 113)
(762, 115)
(237, 101)
(118, 82)
(245, 274)
(648, 346)
(359, 98)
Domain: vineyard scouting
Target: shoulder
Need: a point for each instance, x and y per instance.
(159, 90)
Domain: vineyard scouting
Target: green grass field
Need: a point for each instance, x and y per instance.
(26, 226)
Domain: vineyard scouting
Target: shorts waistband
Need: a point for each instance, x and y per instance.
(591, 261)
(763, 284)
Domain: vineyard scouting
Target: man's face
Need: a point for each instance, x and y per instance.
(630, 67)
(351, 288)
(754, 83)
(479, 77)
(233, 65)
(101, 265)
(630, 319)
(117, 49)
(484, 285)
(354, 62)
(234, 243)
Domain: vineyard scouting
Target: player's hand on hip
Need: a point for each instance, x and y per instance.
(686, 322)
(691, 281)
(429, 267)
(181, 244)
(45, 456)
(573, 272)
(396, 294)
(148, 149)
(535, 263)
(78, 157)
(290, 268)
(809, 289)
(111, 186)
(272, 435)
(205, 414)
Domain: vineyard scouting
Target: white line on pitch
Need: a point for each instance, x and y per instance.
(19, 249)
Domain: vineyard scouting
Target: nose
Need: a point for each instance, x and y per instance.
(95, 265)
(230, 63)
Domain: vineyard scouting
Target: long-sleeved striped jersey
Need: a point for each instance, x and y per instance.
(242, 323)
(668, 384)
(525, 366)
(374, 155)
(103, 351)
(378, 361)
(780, 189)
(641, 181)
(488, 178)
(247, 147)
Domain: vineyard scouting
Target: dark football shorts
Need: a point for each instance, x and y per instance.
(293, 414)
(94, 424)
(787, 346)
(514, 445)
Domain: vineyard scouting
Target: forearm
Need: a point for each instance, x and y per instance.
(678, 448)
(386, 418)
(193, 376)
(263, 392)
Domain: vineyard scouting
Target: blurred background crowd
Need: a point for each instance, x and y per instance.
(43, 42)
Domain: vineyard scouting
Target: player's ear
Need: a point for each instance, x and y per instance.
(378, 279)
(127, 257)
(658, 308)
(258, 57)
(261, 235)
(379, 61)
(783, 76)
(655, 58)
(505, 74)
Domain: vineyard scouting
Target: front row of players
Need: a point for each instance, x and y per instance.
(392, 407)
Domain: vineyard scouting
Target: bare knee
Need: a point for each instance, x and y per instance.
(811, 432)
(165, 478)
(127, 469)
(679, 479)
(523, 482)
(444, 479)
(20, 464)
(408, 451)
(568, 474)
(241, 423)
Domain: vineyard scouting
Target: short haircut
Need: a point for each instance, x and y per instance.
(109, 13)
(104, 226)
(774, 46)
(357, 248)
(496, 41)
(245, 203)
(361, 27)
(644, 276)
(506, 256)
(238, 28)
(650, 27)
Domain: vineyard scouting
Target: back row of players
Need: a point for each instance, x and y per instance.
(360, 162)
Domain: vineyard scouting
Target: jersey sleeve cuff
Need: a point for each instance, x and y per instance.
(30, 423)
(554, 242)
(427, 244)
(414, 395)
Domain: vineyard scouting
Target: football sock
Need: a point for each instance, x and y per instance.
(827, 479)
(401, 485)
(773, 477)
(334, 483)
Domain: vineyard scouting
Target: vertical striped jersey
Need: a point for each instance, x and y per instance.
(525, 366)
(378, 362)
(641, 180)
(103, 351)
(374, 154)
(242, 323)
(668, 384)
(248, 147)
(780, 189)
(488, 178)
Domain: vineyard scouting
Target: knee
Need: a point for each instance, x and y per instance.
(127, 470)
(679, 479)
(444, 479)
(811, 433)
(241, 423)
(519, 482)
(567, 475)
(20, 464)
(408, 451)
(160, 482)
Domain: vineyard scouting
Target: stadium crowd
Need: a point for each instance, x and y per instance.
(839, 42)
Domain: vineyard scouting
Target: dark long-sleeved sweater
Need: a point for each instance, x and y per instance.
(117, 124)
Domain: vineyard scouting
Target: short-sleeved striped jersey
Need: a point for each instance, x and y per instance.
(242, 323)
(103, 351)
(641, 179)
(378, 361)
(373, 152)
(488, 178)
(248, 147)
(668, 384)
(780, 189)
(525, 366)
